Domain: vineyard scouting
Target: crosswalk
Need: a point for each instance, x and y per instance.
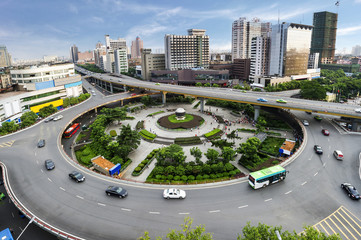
(7, 144)
(343, 222)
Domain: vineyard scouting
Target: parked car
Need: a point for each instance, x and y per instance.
(49, 119)
(262, 100)
(318, 118)
(49, 164)
(77, 176)
(318, 149)
(281, 101)
(338, 155)
(350, 191)
(325, 132)
(305, 122)
(116, 191)
(58, 117)
(174, 193)
(41, 143)
(133, 94)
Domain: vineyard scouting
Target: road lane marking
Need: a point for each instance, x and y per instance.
(214, 211)
(101, 204)
(35, 153)
(344, 225)
(270, 199)
(41, 170)
(154, 212)
(12, 214)
(288, 192)
(49, 179)
(303, 183)
(339, 228)
(315, 174)
(349, 222)
(125, 209)
(352, 215)
(243, 206)
(183, 213)
(324, 165)
(62, 189)
(79, 197)
(37, 161)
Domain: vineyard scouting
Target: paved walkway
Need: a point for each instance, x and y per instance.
(151, 125)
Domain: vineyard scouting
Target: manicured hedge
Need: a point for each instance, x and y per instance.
(145, 163)
(152, 114)
(213, 134)
(147, 135)
(198, 103)
(113, 133)
(188, 140)
(246, 130)
(140, 125)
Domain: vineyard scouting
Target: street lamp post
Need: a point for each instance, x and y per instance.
(31, 220)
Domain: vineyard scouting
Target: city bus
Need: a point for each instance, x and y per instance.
(267, 176)
(72, 130)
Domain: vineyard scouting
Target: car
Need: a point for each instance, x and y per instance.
(318, 149)
(262, 100)
(58, 117)
(174, 193)
(41, 143)
(350, 191)
(49, 164)
(119, 80)
(318, 118)
(92, 91)
(281, 101)
(338, 155)
(133, 94)
(49, 119)
(77, 176)
(308, 112)
(94, 94)
(358, 110)
(116, 191)
(325, 132)
(305, 122)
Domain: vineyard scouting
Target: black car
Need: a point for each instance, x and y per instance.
(116, 191)
(350, 191)
(41, 143)
(49, 164)
(318, 149)
(77, 176)
(49, 119)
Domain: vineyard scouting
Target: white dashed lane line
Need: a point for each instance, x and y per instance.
(244, 206)
(270, 199)
(315, 174)
(41, 170)
(324, 165)
(101, 204)
(214, 211)
(62, 189)
(154, 212)
(37, 162)
(303, 183)
(126, 209)
(79, 197)
(183, 213)
(49, 180)
(288, 192)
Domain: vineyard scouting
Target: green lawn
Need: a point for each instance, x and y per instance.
(173, 118)
(272, 145)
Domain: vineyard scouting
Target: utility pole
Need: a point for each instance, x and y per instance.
(31, 220)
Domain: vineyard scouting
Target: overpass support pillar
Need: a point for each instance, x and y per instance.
(125, 88)
(356, 125)
(121, 102)
(111, 87)
(256, 112)
(164, 97)
(202, 104)
(96, 110)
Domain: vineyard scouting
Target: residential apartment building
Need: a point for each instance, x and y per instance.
(5, 58)
(290, 49)
(100, 50)
(324, 36)
(136, 48)
(313, 60)
(120, 60)
(241, 68)
(243, 32)
(115, 49)
(74, 53)
(151, 61)
(87, 56)
(186, 52)
(259, 56)
(5, 80)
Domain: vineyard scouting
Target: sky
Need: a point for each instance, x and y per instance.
(31, 29)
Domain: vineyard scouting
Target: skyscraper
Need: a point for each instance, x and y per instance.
(137, 45)
(290, 48)
(356, 50)
(114, 59)
(260, 56)
(5, 58)
(186, 52)
(324, 36)
(74, 53)
(243, 32)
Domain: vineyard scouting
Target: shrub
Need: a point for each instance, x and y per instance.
(137, 169)
(152, 114)
(116, 159)
(205, 176)
(191, 178)
(86, 152)
(150, 155)
(113, 133)
(213, 176)
(170, 177)
(237, 170)
(232, 173)
(211, 133)
(159, 177)
(147, 135)
(184, 178)
(145, 162)
(188, 140)
(141, 165)
(225, 174)
(176, 178)
(199, 177)
(140, 125)
(275, 162)
(219, 175)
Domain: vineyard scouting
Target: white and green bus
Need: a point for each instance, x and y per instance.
(267, 176)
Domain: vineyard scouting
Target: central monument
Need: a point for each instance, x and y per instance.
(180, 114)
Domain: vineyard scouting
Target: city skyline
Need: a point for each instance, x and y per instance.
(51, 28)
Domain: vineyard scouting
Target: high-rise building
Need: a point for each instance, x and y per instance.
(324, 36)
(259, 56)
(100, 50)
(151, 61)
(136, 48)
(109, 63)
(356, 50)
(74, 53)
(5, 58)
(185, 52)
(120, 60)
(290, 48)
(313, 60)
(112, 44)
(243, 32)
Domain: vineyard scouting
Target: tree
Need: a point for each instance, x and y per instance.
(221, 143)
(48, 110)
(66, 102)
(8, 127)
(196, 153)
(249, 149)
(211, 155)
(73, 101)
(28, 119)
(129, 137)
(171, 155)
(114, 114)
(215, 85)
(207, 84)
(313, 90)
(198, 84)
(228, 154)
(261, 123)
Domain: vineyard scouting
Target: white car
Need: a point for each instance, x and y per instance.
(305, 122)
(58, 117)
(358, 110)
(174, 193)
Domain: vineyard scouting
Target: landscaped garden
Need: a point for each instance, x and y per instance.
(190, 121)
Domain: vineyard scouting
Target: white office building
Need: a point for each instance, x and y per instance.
(259, 56)
(120, 60)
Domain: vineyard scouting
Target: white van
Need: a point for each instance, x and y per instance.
(338, 154)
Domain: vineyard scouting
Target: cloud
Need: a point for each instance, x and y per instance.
(348, 30)
(145, 30)
(357, 1)
(73, 9)
(97, 19)
(55, 29)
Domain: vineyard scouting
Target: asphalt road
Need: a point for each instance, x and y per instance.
(309, 194)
